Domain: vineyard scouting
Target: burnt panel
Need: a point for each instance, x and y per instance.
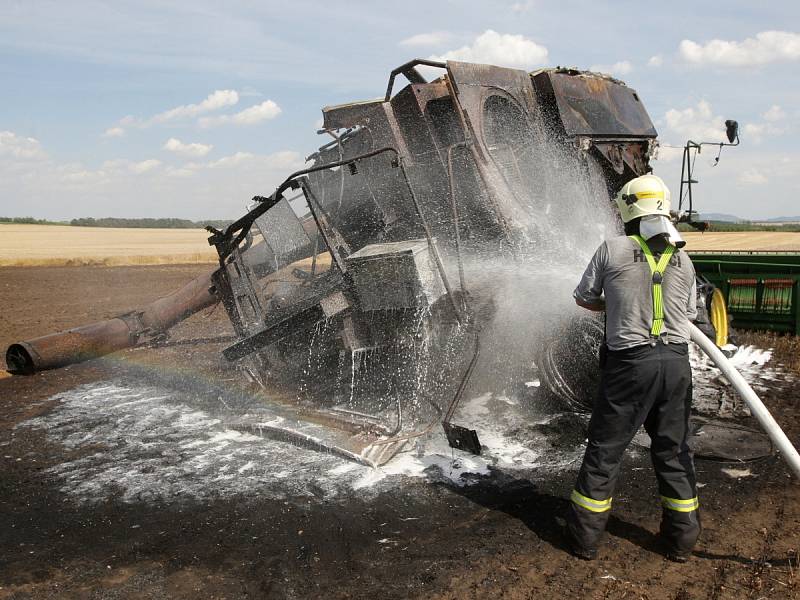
(345, 116)
(595, 105)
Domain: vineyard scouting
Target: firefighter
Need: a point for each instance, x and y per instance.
(646, 285)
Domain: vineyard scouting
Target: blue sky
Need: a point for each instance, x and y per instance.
(189, 108)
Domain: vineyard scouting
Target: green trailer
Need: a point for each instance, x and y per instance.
(759, 290)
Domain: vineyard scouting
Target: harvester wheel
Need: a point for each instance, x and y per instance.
(568, 362)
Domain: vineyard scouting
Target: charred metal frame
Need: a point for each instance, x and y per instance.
(411, 73)
(309, 312)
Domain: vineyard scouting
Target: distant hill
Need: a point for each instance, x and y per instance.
(782, 220)
(726, 218)
(720, 217)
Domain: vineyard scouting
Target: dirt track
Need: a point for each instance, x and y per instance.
(498, 538)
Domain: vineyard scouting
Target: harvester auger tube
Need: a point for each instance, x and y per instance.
(125, 331)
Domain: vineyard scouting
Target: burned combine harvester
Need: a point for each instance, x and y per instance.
(350, 287)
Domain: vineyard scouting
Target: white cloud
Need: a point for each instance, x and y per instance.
(214, 101)
(521, 7)
(82, 176)
(249, 116)
(752, 177)
(771, 124)
(114, 132)
(775, 113)
(231, 161)
(20, 148)
(754, 130)
(286, 159)
(501, 49)
(255, 114)
(192, 149)
(622, 67)
(697, 123)
(249, 92)
(655, 61)
(665, 154)
(145, 166)
(766, 47)
(758, 131)
(126, 188)
(119, 166)
(179, 171)
(421, 40)
(115, 164)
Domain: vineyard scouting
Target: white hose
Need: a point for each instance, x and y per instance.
(757, 408)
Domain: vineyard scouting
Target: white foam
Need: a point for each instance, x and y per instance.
(737, 473)
(750, 355)
(155, 445)
(143, 443)
(713, 393)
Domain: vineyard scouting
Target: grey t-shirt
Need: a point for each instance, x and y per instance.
(619, 270)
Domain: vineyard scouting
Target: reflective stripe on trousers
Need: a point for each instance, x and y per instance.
(680, 505)
(590, 503)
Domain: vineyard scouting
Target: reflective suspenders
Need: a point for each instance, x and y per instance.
(657, 270)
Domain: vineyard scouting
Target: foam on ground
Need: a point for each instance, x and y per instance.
(141, 443)
(713, 394)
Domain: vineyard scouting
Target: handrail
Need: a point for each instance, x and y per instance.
(411, 73)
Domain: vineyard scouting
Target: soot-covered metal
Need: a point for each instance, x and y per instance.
(354, 289)
(349, 288)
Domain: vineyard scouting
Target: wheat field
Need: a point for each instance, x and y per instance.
(64, 245)
(783, 241)
(57, 245)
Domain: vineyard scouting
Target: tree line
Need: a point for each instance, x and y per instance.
(744, 226)
(30, 221)
(144, 223)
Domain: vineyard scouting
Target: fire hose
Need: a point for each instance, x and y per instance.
(757, 408)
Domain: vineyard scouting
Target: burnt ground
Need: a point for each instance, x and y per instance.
(499, 538)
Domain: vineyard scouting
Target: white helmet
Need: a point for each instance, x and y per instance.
(648, 197)
(645, 195)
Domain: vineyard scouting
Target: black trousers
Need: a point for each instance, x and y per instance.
(651, 386)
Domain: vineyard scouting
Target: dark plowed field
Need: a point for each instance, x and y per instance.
(418, 537)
